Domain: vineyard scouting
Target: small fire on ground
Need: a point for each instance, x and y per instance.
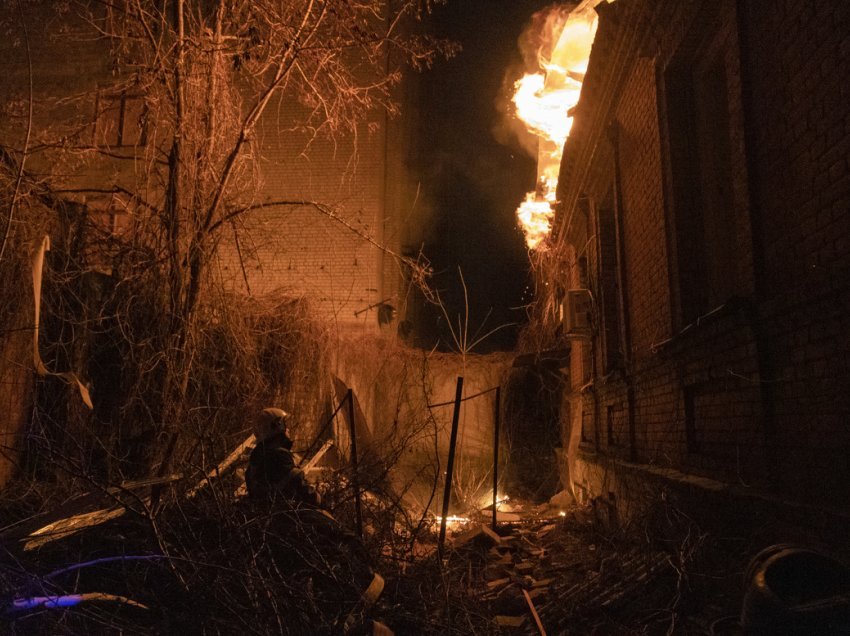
(456, 522)
(543, 100)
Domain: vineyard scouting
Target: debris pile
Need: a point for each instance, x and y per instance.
(550, 574)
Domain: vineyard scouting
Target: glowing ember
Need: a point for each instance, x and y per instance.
(452, 522)
(486, 502)
(542, 101)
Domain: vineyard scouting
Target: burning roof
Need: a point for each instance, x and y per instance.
(544, 99)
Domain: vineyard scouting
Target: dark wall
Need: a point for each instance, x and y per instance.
(750, 388)
(797, 98)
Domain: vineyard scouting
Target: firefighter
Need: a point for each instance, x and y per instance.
(272, 474)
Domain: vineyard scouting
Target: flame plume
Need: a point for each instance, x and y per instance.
(543, 100)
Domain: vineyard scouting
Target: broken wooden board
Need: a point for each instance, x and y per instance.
(224, 465)
(525, 567)
(498, 583)
(510, 621)
(311, 463)
(379, 629)
(480, 536)
(505, 559)
(71, 524)
(534, 614)
(545, 530)
(90, 503)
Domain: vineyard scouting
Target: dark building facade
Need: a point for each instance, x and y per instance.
(704, 199)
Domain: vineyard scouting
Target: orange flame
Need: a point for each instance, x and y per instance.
(543, 100)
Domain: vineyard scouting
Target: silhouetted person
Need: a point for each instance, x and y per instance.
(272, 474)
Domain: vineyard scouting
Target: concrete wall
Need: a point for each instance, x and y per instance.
(394, 387)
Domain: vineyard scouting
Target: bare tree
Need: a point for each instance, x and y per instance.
(203, 74)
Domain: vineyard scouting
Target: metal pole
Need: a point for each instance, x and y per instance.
(496, 420)
(358, 513)
(448, 489)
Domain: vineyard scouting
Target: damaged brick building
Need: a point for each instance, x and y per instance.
(703, 205)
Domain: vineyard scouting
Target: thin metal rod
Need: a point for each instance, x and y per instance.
(452, 441)
(468, 397)
(358, 513)
(496, 418)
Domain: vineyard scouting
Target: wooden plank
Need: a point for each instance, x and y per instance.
(480, 535)
(534, 613)
(498, 583)
(311, 463)
(509, 621)
(223, 466)
(71, 524)
(524, 567)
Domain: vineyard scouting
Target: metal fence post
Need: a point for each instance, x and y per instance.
(496, 421)
(358, 513)
(452, 441)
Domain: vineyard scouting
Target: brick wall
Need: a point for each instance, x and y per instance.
(797, 77)
(301, 250)
(751, 393)
(364, 177)
(643, 210)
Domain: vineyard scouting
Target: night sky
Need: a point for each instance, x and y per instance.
(472, 181)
